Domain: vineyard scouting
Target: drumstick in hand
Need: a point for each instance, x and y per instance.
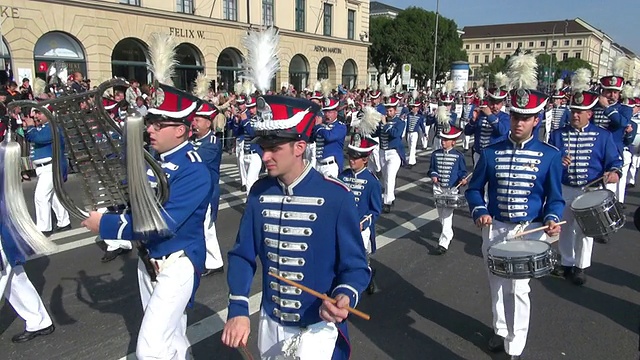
(465, 178)
(521, 234)
(320, 296)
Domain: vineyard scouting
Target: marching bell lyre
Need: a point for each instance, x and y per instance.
(94, 143)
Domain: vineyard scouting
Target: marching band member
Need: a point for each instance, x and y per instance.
(375, 164)
(416, 126)
(304, 226)
(252, 152)
(518, 170)
(209, 148)
(608, 114)
(491, 124)
(391, 151)
(634, 148)
(316, 97)
(329, 137)
(447, 169)
(19, 291)
(237, 129)
(169, 272)
(558, 116)
(468, 110)
(589, 153)
(363, 183)
(439, 121)
(39, 134)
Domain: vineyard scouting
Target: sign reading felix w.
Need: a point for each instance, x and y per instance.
(186, 33)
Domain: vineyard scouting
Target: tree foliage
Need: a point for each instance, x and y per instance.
(565, 68)
(409, 38)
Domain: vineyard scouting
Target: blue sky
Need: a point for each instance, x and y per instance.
(617, 21)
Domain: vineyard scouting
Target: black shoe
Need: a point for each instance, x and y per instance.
(631, 185)
(441, 250)
(110, 255)
(47, 233)
(622, 206)
(496, 343)
(30, 335)
(562, 271)
(578, 277)
(243, 188)
(64, 228)
(208, 272)
(386, 208)
(601, 240)
(515, 357)
(410, 167)
(372, 288)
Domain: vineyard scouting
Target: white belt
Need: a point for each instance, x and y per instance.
(166, 261)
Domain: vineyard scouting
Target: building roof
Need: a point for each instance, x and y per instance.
(378, 8)
(524, 29)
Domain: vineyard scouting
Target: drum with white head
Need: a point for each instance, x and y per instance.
(521, 259)
(597, 213)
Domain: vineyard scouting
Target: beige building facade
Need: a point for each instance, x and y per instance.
(103, 39)
(565, 38)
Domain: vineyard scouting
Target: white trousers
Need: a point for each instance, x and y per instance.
(240, 161)
(328, 169)
(23, 297)
(424, 137)
(311, 154)
(510, 301)
(413, 144)
(163, 333)
(213, 259)
(446, 219)
(390, 166)
(277, 342)
(252, 165)
(374, 164)
(575, 248)
(620, 187)
(633, 168)
(366, 240)
(45, 200)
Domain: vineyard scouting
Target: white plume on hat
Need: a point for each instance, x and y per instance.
(261, 63)
(580, 80)
(201, 86)
(501, 79)
(374, 85)
(237, 88)
(162, 52)
(619, 66)
(414, 94)
(448, 86)
(559, 84)
(317, 86)
(636, 89)
(481, 92)
(247, 88)
(627, 92)
(368, 122)
(386, 91)
(325, 87)
(443, 116)
(521, 71)
(39, 87)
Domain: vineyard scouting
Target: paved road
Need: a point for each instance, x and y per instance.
(429, 307)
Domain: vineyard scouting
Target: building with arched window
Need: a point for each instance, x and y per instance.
(103, 39)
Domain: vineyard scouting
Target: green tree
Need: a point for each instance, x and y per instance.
(489, 70)
(409, 39)
(569, 66)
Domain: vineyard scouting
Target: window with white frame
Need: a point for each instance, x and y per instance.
(328, 12)
(300, 15)
(183, 6)
(130, 2)
(267, 12)
(351, 24)
(230, 10)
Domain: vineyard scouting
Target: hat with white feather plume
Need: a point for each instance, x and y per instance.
(361, 144)
(522, 73)
(615, 81)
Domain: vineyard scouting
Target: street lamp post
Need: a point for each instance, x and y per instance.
(435, 47)
(553, 35)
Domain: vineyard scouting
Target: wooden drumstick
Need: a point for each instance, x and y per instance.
(593, 182)
(366, 218)
(320, 296)
(465, 178)
(521, 234)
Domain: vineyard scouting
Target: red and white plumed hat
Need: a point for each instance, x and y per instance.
(616, 80)
(392, 101)
(498, 92)
(523, 78)
(446, 99)
(558, 93)
(207, 110)
(282, 119)
(583, 100)
(374, 94)
(361, 144)
(330, 104)
(451, 134)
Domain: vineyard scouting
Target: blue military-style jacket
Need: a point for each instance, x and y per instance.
(560, 117)
(41, 139)
(329, 139)
(612, 118)
(367, 190)
(210, 150)
(390, 135)
(488, 130)
(448, 166)
(415, 123)
(249, 134)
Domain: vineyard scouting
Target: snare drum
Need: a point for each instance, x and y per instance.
(597, 213)
(521, 259)
(451, 201)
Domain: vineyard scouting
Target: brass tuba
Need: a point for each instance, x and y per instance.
(95, 145)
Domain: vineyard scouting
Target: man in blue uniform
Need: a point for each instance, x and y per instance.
(589, 153)
(467, 115)
(522, 174)
(391, 151)
(447, 169)
(170, 275)
(252, 152)
(329, 137)
(19, 291)
(368, 192)
(491, 125)
(446, 102)
(415, 126)
(38, 133)
(209, 148)
(559, 115)
(303, 226)
(375, 164)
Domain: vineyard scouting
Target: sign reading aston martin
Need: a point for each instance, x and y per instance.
(320, 48)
